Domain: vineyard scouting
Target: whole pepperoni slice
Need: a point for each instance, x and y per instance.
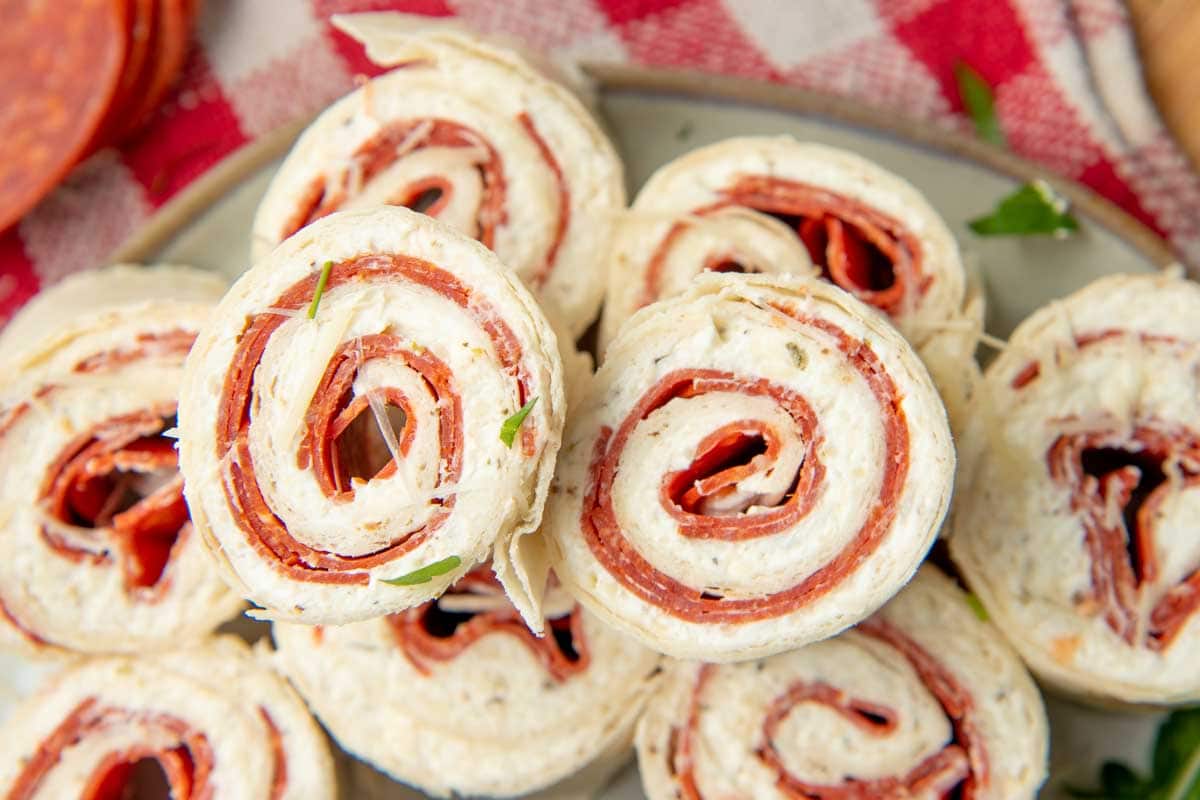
(60, 63)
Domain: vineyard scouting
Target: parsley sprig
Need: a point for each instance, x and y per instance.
(979, 102)
(1032, 210)
(1175, 771)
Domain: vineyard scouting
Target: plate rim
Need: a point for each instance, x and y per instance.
(607, 77)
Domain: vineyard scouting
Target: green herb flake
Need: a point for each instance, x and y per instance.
(977, 606)
(977, 98)
(798, 356)
(508, 431)
(426, 573)
(1034, 209)
(321, 282)
(1175, 771)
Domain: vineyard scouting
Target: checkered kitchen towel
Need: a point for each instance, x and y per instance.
(1068, 92)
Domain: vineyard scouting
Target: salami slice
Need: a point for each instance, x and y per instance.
(488, 708)
(404, 414)
(97, 553)
(921, 700)
(725, 207)
(216, 720)
(470, 134)
(759, 463)
(1077, 515)
(60, 64)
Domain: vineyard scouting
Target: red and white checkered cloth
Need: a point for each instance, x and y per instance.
(1068, 86)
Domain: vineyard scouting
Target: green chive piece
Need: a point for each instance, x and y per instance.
(508, 431)
(977, 97)
(977, 606)
(1033, 210)
(426, 573)
(321, 281)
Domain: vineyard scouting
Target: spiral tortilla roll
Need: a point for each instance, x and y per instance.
(1076, 519)
(726, 207)
(473, 135)
(97, 553)
(921, 700)
(759, 463)
(326, 455)
(217, 721)
(487, 708)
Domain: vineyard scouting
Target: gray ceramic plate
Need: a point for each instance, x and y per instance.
(655, 116)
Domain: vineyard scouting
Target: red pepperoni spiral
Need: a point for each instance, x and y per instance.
(332, 410)
(787, 438)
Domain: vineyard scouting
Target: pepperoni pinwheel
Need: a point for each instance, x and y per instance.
(921, 700)
(1076, 523)
(374, 409)
(217, 721)
(759, 463)
(97, 551)
(487, 707)
(473, 135)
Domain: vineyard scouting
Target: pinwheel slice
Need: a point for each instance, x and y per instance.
(465, 700)
(378, 400)
(473, 135)
(1076, 521)
(97, 553)
(216, 721)
(921, 700)
(849, 220)
(758, 464)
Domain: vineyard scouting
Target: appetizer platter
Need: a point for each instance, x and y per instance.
(594, 442)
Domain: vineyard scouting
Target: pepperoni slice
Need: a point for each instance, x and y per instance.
(169, 41)
(139, 31)
(60, 64)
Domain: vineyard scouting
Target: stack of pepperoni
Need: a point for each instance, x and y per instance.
(491, 571)
(77, 77)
